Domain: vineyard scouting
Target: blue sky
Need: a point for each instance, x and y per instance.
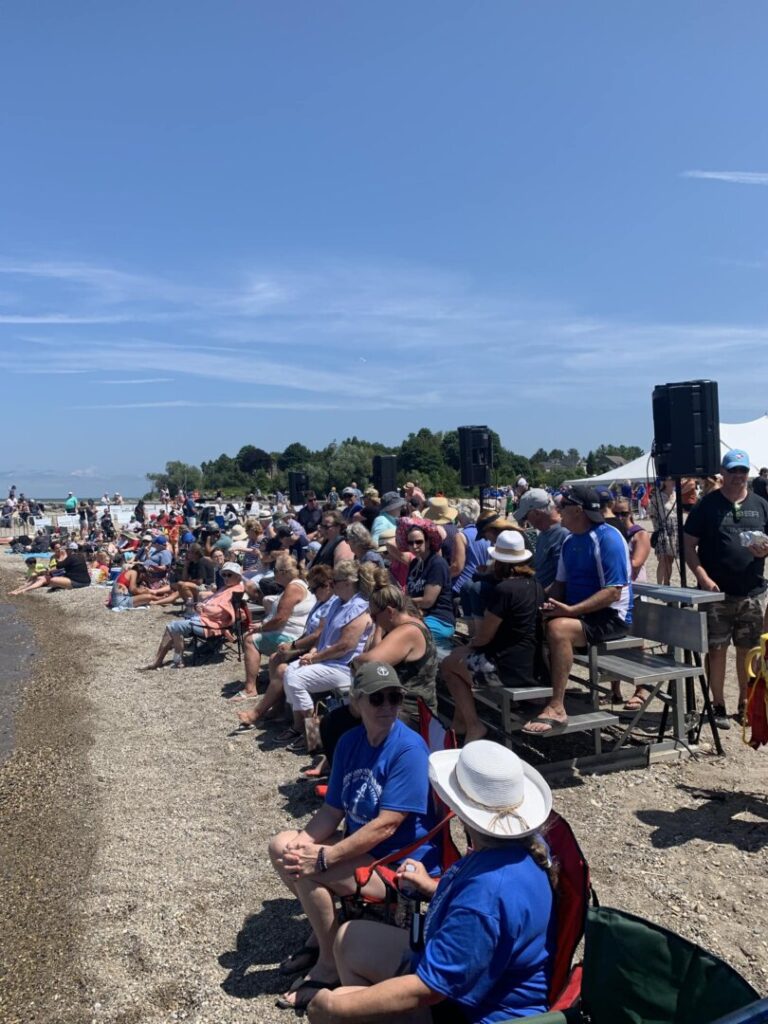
(251, 222)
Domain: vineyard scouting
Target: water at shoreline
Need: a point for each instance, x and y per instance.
(16, 648)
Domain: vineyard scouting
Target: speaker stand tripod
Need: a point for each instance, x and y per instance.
(694, 719)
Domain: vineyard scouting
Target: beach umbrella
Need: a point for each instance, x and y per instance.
(756, 710)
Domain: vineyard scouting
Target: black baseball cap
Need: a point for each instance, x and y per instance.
(587, 499)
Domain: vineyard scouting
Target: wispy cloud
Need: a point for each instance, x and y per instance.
(734, 177)
(362, 338)
(86, 474)
(140, 380)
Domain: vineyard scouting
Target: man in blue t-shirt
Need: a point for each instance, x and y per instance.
(590, 600)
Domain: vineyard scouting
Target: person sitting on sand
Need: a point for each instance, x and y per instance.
(131, 589)
(379, 791)
(212, 615)
(71, 573)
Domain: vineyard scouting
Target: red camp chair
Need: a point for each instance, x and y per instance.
(574, 894)
(437, 737)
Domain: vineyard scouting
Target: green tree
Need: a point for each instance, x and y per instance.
(295, 456)
(177, 476)
(224, 473)
(251, 459)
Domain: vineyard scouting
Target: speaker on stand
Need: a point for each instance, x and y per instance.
(384, 473)
(298, 485)
(686, 443)
(475, 458)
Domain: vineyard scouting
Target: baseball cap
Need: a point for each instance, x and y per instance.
(587, 499)
(73, 546)
(534, 499)
(160, 540)
(736, 458)
(232, 567)
(188, 538)
(348, 491)
(374, 676)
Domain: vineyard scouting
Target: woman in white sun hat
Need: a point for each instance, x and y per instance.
(489, 937)
(504, 643)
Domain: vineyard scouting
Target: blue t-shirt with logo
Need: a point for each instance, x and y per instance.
(594, 560)
(391, 777)
(490, 936)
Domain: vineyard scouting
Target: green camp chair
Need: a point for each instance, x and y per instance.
(636, 972)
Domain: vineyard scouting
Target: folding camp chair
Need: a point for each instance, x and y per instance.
(205, 648)
(636, 972)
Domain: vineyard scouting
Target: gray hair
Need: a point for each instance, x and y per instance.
(359, 535)
(468, 508)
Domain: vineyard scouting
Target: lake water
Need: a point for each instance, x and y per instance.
(16, 650)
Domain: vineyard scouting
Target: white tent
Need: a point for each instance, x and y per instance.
(751, 436)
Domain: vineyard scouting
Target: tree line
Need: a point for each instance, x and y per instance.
(430, 458)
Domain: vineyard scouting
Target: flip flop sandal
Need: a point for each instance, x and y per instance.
(300, 961)
(553, 726)
(310, 987)
(242, 729)
(241, 696)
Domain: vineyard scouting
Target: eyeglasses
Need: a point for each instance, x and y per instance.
(415, 543)
(329, 526)
(393, 698)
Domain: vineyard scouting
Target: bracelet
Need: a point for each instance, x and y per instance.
(321, 864)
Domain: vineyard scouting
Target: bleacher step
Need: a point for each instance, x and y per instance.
(576, 723)
(644, 669)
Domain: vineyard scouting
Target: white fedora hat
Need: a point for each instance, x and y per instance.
(491, 789)
(510, 547)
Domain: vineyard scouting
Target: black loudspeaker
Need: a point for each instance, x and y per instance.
(385, 473)
(686, 427)
(298, 485)
(475, 456)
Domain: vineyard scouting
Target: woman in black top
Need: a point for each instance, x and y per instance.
(505, 640)
(429, 582)
(72, 574)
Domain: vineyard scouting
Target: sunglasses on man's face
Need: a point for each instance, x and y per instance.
(393, 697)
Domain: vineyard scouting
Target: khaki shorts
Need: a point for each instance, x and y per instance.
(737, 619)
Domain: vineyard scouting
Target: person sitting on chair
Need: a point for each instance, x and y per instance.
(490, 932)
(214, 614)
(379, 790)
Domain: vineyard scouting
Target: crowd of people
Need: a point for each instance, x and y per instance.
(355, 598)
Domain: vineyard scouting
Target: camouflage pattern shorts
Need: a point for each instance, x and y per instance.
(737, 619)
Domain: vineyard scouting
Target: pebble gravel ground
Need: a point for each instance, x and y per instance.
(135, 887)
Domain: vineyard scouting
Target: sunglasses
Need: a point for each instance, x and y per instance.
(415, 543)
(225, 574)
(392, 697)
(623, 515)
(571, 503)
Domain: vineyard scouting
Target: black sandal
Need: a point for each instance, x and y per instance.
(300, 961)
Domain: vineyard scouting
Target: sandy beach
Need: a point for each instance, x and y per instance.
(134, 882)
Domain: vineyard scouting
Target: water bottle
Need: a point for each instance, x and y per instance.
(750, 537)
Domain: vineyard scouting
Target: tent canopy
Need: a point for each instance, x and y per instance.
(751, 436)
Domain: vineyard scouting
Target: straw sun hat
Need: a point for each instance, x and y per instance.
(491, 789)
(440, 511)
